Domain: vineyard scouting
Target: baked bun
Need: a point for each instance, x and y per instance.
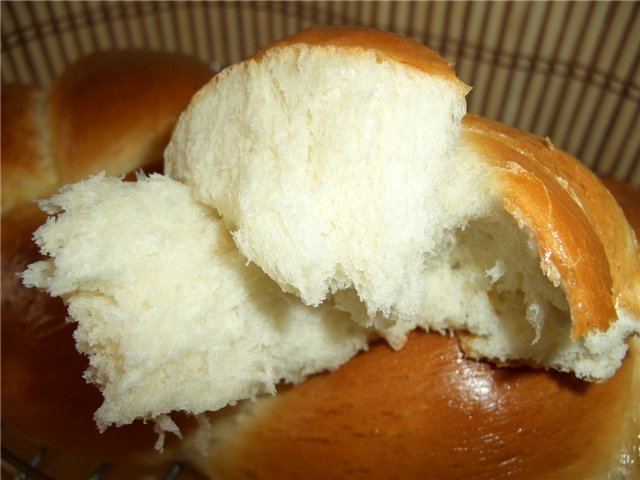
(118, 106)
(428, 412)
(340, 164)
(174, 318)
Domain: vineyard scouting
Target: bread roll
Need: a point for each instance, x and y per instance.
(111, 111)
(423, 412)
(167, 310)
(427, 412)
(126, 104)
(338, 160)
(505, 269)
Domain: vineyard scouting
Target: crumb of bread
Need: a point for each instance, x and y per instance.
(168, 312)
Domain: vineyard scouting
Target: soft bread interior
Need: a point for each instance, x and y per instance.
(167, 311)
(484, 280)
(344, 177)
(315, 156)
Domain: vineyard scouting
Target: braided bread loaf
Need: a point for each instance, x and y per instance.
(422, 412)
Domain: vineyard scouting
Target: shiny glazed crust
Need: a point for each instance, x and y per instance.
(584, 240)
(116, 111)
(427, 412)
(111, 111)
(384, 44)
(423, 412)
(28, 170)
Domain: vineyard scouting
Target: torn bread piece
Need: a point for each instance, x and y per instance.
(168, 313)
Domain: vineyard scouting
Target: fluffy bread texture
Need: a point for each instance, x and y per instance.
(167, 311)
(340, 167)
(45, 398)
(424, 411)
(458, 419)
(315, 153)
(579, 238)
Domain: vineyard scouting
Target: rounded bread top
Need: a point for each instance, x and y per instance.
(386, 45)
(116, 110)
(434, 414)
(111, 111)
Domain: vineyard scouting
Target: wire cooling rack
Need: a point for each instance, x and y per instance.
(569, 71)
(13, 466)
(35, 467)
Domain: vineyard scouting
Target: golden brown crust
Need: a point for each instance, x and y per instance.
(427, 412)
(112, 111)
(384, 44)
(116, 110)
(28, 171)
(583, 238)
(628, 197)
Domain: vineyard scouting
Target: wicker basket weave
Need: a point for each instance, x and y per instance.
(566, 70)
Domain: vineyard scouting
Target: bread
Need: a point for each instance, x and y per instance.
(28, 171)
(584, 245)
(298, 173)
(475, 256)
(165, 295)
(44, 395)
(348, 423)
(344, 172)
(628, 197)
(469, 417)
(111, 111)
(427, 412)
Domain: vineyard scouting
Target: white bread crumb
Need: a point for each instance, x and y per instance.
(167, 310)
